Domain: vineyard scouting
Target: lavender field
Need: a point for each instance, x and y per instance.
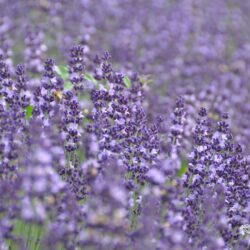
(124, 125)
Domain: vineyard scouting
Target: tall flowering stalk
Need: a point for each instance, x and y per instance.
(14, 100)
(213, 161)
(77, 68)
(232, 172)
(167, 183)
(45, 98)
(196, 176)
(120, 124)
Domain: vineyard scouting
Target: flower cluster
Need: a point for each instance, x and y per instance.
(77, 67)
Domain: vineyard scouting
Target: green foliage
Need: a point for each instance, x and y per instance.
(62, 71)
(90, 78)
(68, 85)
(146, 79)
(30, 232)
(183, 168)
(127, 81)
(28, 112)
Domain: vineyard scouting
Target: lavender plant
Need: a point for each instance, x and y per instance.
(142, 147)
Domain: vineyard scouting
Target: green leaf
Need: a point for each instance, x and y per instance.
(31, 233)
(82, 201)
(146, 79)
(90, 78)
(182, 170)
(28, 112)
(62, 71)
(68, 85)
(127, 81)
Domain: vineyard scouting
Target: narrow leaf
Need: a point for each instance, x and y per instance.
(127, 81)
(62, 71)
(28, 112)
(68, 85)
(182, 170)
(90, 78)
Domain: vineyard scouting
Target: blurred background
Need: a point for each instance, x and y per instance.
(196, 48)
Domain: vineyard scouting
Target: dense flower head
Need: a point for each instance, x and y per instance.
(72, 118)
(45, 95)
(77, 67)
